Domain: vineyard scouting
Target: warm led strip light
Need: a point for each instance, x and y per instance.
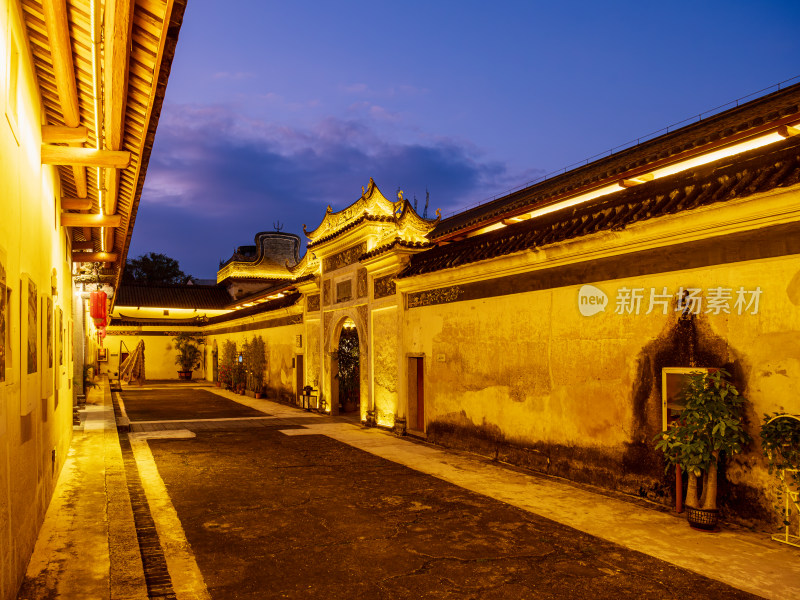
(684, 165)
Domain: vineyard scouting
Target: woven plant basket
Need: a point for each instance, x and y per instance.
(702, 519)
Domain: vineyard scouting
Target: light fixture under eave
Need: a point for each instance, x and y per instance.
(678, 167)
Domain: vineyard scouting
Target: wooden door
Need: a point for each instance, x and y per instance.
(420, 395)
(298, 374)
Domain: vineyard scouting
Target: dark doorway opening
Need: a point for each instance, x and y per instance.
(348, 375)
(416, 393)
(299, 377)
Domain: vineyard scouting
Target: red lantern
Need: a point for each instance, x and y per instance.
(97, 305)
(100, 323)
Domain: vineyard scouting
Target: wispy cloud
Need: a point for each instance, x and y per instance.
(232, 176)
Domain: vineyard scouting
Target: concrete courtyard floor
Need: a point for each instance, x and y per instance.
(214, 495)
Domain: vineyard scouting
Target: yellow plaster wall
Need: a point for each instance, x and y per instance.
(281, 349)
(531, 366)
(385, 348)
(33, 445)
(159, 354)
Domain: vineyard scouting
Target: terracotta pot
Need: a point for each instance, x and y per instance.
(259, 395)
(185, 375)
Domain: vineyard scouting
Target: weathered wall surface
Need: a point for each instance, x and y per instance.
(385, 349)
(159, 351)
(35, 408)
(529, 379)
(280, 341)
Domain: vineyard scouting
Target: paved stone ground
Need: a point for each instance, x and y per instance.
(180, 403)
(273, 516)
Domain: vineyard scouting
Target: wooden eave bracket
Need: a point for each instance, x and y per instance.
(85, 157)
(788, 131)
(76, 203)
(78, 257)
(84, 220)
(60, 134)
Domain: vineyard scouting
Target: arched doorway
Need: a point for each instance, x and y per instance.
(347, 374)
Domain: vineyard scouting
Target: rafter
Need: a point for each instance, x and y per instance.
(57, 22)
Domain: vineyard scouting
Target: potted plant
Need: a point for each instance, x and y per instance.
(189, 355)
(256, 361)
(227, 362)
(710, 425)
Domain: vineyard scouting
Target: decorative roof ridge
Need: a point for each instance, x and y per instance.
(409, 212)
(302, 266)
(372, 196)
(259, 255)
(749, 173)
(378, 250)
(362, 219)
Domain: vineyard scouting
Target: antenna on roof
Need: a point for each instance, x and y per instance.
(277, 225)
(427, 201)
(415, 203)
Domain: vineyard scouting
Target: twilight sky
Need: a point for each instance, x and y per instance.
(276, 109)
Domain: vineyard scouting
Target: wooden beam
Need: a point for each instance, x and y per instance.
(118, 21)
(108, 241)
(788, 131)
(626, 183)
(112, 189)
(94, 257)
(81, 186)
(87, 157)
(57, 22)
(83, 245)
(76, 203)
(55, 17)
(84, 220)
(59, 134)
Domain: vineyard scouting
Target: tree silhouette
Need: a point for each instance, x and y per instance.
(154, 267)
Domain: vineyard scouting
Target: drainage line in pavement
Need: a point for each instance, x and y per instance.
(156, 575)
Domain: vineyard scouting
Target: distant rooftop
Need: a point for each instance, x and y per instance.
(173, 296)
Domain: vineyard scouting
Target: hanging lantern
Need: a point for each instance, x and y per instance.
(97, 305)
(100, 323)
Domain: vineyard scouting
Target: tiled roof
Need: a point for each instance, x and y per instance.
(285, 302)
(739, 176)
(349, 226)
(757, 113)
(395, 243)
(173, 296)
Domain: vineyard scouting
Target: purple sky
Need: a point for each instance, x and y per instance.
(276, 109)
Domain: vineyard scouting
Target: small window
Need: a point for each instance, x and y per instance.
(344, 290)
